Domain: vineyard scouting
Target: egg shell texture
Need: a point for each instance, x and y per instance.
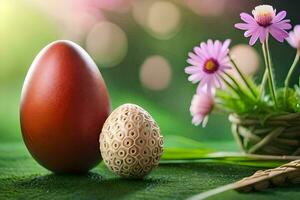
(64, 104)
(130, 142)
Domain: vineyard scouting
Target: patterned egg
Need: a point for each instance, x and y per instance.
(130, 142)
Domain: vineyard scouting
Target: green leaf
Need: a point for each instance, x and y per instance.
(180, 149)
(291, 103)
(178, 155)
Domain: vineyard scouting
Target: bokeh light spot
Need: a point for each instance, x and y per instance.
(246, 58)
(140, 10)
(156, 73)
(107, 43)
(161, 19)
(76, 28)
(73, 18)
(164, 19)
(113, 5)
(207, 8)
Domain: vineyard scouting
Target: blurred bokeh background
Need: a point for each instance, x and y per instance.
(140, 47)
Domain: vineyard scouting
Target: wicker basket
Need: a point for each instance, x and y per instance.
(275, 135)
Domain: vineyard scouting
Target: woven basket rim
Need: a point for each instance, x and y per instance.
(273, 134)
(283, 119)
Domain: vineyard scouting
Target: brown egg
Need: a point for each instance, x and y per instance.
(64, 104)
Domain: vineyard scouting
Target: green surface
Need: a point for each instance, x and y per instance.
(286, 193)
(22, 178)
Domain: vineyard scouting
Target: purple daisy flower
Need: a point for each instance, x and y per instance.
(294, 38)
(208, 62)
(264, 21)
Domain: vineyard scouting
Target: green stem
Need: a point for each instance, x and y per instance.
(238, 90)
(270, 72)
(288, 77)
(263, 84)
(242, 76)
(233, 80)
(229, 85)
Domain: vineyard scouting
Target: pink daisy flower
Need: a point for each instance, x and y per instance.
(201, 106)
(264, 21)
(294, 38)
(208, 62)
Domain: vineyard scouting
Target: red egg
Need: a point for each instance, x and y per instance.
(64, 104)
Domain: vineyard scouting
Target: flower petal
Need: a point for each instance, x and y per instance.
(210, 83)
(210, 47)
(283, 25)
(263, 35)
(217, 81)
(204, 50)
(217, 48)
(294, 37)
(192, 70)
(201, 85)
(226, 45)
(194, 62)
(199, 53)
(242, 26)
(291, 40)
(224, 50)
(249, 32)
(280, 16)
(195, 57)
(197, 119)
(297, 29)
(284, 21)
(247, 18)
(278, 34)
(254, 37)
(194, 78)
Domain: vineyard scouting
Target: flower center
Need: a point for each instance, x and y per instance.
(264, 15)
(211, 65)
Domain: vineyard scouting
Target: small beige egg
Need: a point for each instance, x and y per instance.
(130, 143)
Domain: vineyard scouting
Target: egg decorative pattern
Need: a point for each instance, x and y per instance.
(130, 143)
(64, 104)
